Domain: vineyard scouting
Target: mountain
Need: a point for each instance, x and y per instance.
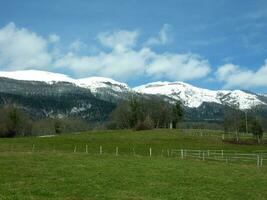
(46, 94)
(101, 87)
(194, 97)
(57, 99)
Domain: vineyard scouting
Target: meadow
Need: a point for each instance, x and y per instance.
(127, 165)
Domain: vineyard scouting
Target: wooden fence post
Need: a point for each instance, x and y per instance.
(182, 153)
(75, 149)
(150, 151)
(133, 152)
(100, 150)
(117, 151)
(86, 148)
(258, 160)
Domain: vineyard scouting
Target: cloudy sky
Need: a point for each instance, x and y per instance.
(208, 43)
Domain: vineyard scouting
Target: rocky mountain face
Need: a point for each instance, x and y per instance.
(46, 94)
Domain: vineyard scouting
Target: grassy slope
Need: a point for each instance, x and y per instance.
(63, 175)
(79, 176)
(126, 140)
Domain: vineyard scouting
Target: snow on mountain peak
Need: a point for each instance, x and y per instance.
(101, 82)
(193, 97)
(92, 83)
(189, 95)
(36, 75)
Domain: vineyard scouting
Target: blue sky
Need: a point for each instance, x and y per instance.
(211, 44)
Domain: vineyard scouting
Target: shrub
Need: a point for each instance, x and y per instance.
(147, 124)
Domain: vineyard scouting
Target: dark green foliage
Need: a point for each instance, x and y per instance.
(140, 112)
(256, 130)
(178, 113)
(58, 127)
(14, 122)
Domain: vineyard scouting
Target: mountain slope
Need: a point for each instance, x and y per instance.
(194, 97)
(112, 91)
(60, 99)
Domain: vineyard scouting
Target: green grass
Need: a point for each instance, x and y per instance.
(126, 140)
(47, 174)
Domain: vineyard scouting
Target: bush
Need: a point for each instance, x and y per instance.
(147, 124)
(14, 122)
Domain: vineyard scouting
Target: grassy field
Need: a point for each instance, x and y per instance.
(54, 171)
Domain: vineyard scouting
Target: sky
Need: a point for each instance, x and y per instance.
(210, 44)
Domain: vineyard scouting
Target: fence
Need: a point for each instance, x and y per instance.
(229, 156)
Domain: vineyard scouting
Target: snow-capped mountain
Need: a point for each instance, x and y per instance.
(193, 97)
(97, 85)
(110, 90)
(36, 75)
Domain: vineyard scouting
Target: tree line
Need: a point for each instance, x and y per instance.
(142, 114)
(15, 122)
(248, 121)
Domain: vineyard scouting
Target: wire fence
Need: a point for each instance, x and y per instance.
(228, 156)
(258, 158)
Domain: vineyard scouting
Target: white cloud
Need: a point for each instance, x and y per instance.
(77, 46)
(20, 49)
(53, 38)
(120, 65)
(119, 40)
(23, 49)
(178, 66)
(235, 76)
(163, 37)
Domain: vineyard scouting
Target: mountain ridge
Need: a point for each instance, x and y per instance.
(105, 88)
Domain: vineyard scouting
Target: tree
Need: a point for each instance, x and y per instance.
(256, 130)
(13, 122)
(147, 124)
(232, 121)
(177, 113)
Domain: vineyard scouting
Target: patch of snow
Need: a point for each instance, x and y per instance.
(193, 97)
(95, 83)
(36, 75)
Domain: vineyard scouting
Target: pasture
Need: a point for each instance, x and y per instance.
(128, 165)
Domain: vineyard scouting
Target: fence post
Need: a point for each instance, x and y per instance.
(261, 161)
(182, 153)
(86, 148)
(222, 153)
(133, 152)
(208, 153)
(168, 152)
(75, 148)
(199, 153)
(150, 151)
(100, 150)
(258, 160)
(203, 155)
(117, 151)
